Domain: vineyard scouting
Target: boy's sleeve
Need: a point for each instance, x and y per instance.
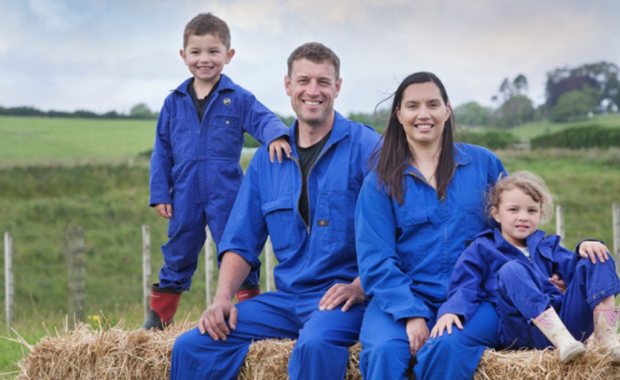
(465, 291)
(246, 229)
(379, 264)
(161, 161)
(264, 125)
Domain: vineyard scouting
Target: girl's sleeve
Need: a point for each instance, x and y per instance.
(465, 291)
(379, 264)
(160, 181)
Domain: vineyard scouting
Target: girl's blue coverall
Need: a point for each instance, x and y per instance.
(195, 167)
(311, 258)
(493, 270)
(406, 254)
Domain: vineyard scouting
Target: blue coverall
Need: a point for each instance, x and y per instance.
(493, 270)
(311, 259)
(195, 167)
(406, 254)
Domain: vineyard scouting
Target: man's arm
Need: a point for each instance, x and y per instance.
(233, 270)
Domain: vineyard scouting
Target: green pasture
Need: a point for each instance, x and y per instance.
(528, 131)
(56, 173)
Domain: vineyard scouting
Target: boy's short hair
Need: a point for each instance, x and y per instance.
(314, 52)
(207, 23)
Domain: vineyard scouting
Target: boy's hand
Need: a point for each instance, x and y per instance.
(594, 249)
(558, 282)
(417, 332)
(446, 321)
(280, 147)
(164, 209)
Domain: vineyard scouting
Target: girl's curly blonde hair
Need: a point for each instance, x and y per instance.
(531, 184)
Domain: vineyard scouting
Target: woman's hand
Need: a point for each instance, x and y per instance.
(446, 321)
(417, 332)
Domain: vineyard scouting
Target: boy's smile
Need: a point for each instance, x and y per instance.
(205, 56)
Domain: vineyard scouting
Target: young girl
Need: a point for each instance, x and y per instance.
(530, 278)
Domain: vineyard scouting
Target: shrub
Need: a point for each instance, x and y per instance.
(579, 137)
(491, 140)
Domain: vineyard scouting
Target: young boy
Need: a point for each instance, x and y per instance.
(195, 172)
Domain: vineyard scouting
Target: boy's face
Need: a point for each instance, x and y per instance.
(518, 214)
(205, 56)
(312, 88)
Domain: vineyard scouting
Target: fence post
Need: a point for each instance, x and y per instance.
(146, 269)
(269, 265)
(209, 267)
(615, 210)
(77, 272)
(559, 223)
(8, 278)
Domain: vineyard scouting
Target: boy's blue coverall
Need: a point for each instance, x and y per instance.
(406, 254)
(311, 259)
(493, 270)
(195, 167)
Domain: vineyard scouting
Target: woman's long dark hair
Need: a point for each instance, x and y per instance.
(394, 154)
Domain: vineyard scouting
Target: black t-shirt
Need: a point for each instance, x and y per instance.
(307, 158)
(200, 104)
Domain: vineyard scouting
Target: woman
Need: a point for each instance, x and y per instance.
(415, 214)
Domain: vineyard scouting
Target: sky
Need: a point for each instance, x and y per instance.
(109, 55)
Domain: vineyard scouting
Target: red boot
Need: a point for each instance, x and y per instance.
(164, 303)
(246, 292)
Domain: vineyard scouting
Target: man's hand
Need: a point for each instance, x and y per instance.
(592, 250)
(446, 321)
(164, 209)
(213, 320)
(349, 294)
(279, 147)
(417, 332)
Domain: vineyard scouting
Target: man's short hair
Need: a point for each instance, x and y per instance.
(314, 52)
(207, 23)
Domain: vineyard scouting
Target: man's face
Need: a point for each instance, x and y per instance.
(312, 88)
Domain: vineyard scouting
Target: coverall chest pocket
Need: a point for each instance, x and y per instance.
(414, 232)
(282, 226)
(335, 215)
(473, 222)
(225, 136)
(181, 138)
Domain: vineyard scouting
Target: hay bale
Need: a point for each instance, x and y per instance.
(115, 353)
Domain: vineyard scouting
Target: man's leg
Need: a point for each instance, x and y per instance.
(385, 353)
(322, 349)
(456, 356)
(197, 356)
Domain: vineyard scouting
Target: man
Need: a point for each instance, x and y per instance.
(307, 205)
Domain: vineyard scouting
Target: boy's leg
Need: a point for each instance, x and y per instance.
(456, 356)
(322, 349)
(521, 300)
(197, 356)
(591, 284)
(385, 353)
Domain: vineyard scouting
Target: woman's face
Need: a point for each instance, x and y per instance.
(423, 113)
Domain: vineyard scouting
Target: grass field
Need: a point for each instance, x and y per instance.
(87, 173)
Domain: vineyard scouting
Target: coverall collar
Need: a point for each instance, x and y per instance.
(460, 157)
(226, 84)
(340, 130)
(532, 241)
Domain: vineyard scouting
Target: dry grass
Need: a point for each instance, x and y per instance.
(115, 353)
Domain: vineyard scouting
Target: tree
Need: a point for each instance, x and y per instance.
(520, 84)
(515, 111)
(472, 114)
(141, 111)
(575, 105)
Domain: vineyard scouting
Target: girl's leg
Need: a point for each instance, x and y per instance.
(385, 353)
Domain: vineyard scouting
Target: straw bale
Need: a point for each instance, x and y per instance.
(115, 353)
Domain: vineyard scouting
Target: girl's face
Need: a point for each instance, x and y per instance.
(423, 113)
(518, 214)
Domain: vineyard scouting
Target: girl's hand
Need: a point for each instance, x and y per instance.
(558, 282)
(417, 332)
(279, 147)
(594, 249)
(446, 321)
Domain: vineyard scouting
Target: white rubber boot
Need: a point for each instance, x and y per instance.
(551, 325)
(606, 329)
